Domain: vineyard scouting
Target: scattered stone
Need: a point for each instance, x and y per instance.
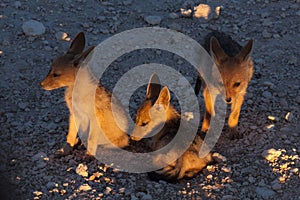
(202, 11)
(267, 22)
(61, 35)
(226, 169)
(251, 179)
(249, 102)
(267, 94)
(188, 116)
(219, 158)
(283, 103)
(281, 179)
(264, 192)
(271, 155)
(39, 156)
(276, 185)
(127, 2)
(289, 116)
(295, 170)
(22, 105)
(186, 12)
(85, 187)
(37, 193)
(50, 185)
(228, 197)
(153, 19)
(48, 48)
(272, 118)
(107, 190)
(33, 28)
(209, 176)
(173, 15)
(177, 27)
(268, 84)
(18, 4)
(82, 170)
(266, 34)
(147, 197)
(297, 99)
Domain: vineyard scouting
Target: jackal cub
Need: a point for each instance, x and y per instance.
(62, 74)
(236, 68)
(157, 116)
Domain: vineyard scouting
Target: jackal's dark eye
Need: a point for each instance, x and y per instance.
(236, 84)
(144, 123)
(55, 74)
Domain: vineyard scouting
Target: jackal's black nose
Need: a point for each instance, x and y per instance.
(228, 100)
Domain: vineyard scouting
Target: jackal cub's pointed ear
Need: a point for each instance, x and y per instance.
(77, 45)
(153, 88)
(80, 58)
(164, 97)
(245, 53)
(216, 51)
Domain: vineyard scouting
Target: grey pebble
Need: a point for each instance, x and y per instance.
(228, 197)
(267, 94)
(173, 15)
(266, 34)
(39, 156)
(50, 185)
(22, 105)
(33, 28)
(17, 4)
(127, 2)
(264, 192)
(61, 35)
(153, 19)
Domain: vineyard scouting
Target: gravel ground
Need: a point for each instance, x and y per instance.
(264, 164)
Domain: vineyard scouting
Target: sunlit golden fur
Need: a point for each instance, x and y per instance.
(165, 128)
(62, 74)
(236, 69)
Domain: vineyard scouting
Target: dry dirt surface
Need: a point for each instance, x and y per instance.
(264, 164)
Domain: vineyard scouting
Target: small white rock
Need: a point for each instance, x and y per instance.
(61, 35)
(33, 28)
(289, 116)
(273, 118)
(186, 12)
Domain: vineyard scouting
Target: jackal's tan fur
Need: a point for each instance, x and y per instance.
(62, 74)
(166, 126)
(236, 69)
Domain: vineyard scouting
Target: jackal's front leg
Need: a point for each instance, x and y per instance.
(71, 139)
(234, 116)
(208, 110)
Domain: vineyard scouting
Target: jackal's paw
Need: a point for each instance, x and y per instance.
(88, 157)
(64, 151)
(168, 174)
(234, 134)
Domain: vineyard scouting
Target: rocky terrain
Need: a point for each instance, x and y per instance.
(264, 164)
